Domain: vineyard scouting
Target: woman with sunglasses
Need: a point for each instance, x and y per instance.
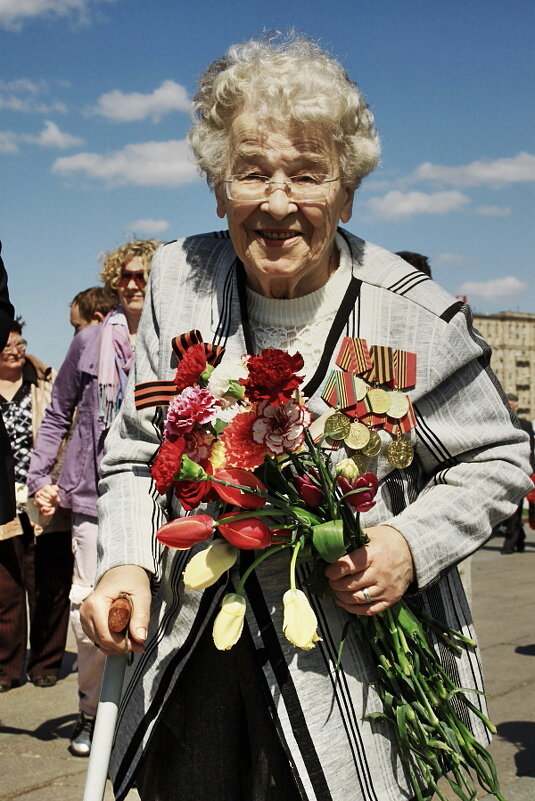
(92, 381)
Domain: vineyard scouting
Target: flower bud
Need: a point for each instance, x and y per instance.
(191, 471)
(300, 622)
(347, 469)
(207, 566)
(184, 532)
(248, 533)
(308, 490)
(238, 497)
(228, 624)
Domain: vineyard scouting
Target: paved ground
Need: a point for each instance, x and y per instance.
(35, 723)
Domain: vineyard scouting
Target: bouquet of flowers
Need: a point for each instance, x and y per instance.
(239, 433)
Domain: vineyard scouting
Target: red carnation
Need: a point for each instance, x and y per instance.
(240, 448)
(192, 364)
(272, 376)
(167, 463)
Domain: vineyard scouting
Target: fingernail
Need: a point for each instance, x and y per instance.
(141, 634)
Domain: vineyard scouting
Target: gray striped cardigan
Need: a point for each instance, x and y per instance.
(470, 472)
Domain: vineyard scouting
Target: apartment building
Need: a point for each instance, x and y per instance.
(511, 336)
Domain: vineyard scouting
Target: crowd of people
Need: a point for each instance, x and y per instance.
(56, 424)
(284, 138)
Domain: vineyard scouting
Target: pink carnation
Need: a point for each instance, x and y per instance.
(281, 428)
(193, 406)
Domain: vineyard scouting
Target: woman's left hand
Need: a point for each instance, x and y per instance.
(380, 571)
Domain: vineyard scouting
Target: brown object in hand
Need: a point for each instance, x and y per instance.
(120, 613)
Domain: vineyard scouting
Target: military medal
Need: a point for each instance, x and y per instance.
(337, 426)
(399, 453)
(360, 462)
(373, 448)
(399, 404)
(378, 400)
(358, 436)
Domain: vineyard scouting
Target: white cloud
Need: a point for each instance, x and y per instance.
(122, 107)
(494, 289)
(52, 136)
(396, 205)
(8, 142)
(24, 95)
(145, 164)
(14, 13)
(493, 211)
(518, 169)
(148, 227)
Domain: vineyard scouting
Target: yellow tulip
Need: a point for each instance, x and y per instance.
(300, 622)
(207, 566)
(228, 625)
(348, 469)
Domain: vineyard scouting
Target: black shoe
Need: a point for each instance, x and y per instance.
(44, 681)
(507, 550)
(82, 735)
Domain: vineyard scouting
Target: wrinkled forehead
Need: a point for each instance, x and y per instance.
(250, 137)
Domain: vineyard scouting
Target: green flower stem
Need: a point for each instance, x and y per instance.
(325, 475)
(293, 560)
(257, 561)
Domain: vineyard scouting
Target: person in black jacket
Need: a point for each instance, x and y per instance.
(515, 537)
(7, 476)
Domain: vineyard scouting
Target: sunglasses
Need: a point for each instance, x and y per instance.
(137, 277)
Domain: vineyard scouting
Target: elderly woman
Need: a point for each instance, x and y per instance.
(91, 381)
(284, 138)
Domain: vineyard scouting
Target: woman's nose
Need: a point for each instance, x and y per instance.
(278, 204)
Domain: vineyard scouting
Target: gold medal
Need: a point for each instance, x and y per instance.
(378, 401)
(360, 462)
(373, 448)
(399, 453)
(399, 404)
(337, 426)
(358, 436)
(360, 388)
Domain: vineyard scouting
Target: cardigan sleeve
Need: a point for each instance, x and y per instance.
(474, 458)
(57, 419)
(130, 509)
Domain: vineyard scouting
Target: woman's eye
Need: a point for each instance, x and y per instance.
(248, 177)
(306, 179)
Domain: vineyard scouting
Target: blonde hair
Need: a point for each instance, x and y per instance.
(113, 261)
(284, 81)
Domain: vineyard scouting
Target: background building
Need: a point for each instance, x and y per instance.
(511, 336)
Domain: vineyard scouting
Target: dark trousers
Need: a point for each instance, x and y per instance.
(514, 532)
(215, 738)
(35, 575)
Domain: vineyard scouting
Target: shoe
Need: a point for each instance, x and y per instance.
(6, 685)
(82, 735)
(507, 550)
(44, 681)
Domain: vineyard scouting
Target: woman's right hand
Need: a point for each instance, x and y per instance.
(133, 581)
(47, 499)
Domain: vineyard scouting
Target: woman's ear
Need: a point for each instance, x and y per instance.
(221, 205)
(347, 209)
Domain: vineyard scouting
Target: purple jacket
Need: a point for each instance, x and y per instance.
(75, 388)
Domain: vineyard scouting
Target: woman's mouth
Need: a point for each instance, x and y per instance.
(278, 236)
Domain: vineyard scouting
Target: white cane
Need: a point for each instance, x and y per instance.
(108, 707)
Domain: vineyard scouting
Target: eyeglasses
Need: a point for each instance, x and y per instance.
(17, 347)
(251, 188)
(137, 277)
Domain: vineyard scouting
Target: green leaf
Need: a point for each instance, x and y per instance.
(328, 540)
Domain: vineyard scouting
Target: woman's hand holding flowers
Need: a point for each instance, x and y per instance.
(383, 567)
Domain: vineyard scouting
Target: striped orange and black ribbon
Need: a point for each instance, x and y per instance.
(404, 369)
(354, 355)
(180, 344)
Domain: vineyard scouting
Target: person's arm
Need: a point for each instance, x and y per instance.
(58, 417)
(477, 468)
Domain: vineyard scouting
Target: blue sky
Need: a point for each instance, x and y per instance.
(94, 108)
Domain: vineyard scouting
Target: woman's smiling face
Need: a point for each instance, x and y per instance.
(286, 247)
